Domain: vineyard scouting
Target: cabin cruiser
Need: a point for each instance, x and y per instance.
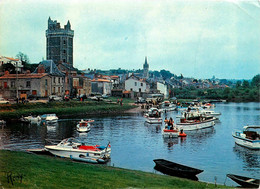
(76, 150)
(153, 116)
(84, 125)
(249, 137)
(194, 120)
(50, 118)
(31, 119)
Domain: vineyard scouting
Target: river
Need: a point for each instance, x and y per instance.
(135, 144)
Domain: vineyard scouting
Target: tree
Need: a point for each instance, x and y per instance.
(238, 84)
(256, 81)
(9, 67)
(23, 57)
(245, 84)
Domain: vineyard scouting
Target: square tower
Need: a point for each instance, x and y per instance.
(59, 42)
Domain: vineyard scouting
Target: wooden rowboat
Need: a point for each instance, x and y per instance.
(245, 181)
(176, 169)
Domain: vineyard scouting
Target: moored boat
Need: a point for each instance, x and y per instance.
(172, 132)
(50, 118)
(246, 182)
(84, 126)
(31, 119)
(176, 169)
(74, 149)
(249, 137)
(194, 120)
(153, 116)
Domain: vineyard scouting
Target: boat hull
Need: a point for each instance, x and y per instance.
(154, 120)
(251, 144)
(170, 133)
(68, 153)
(176, 169)
(196, 125)
(245, 181)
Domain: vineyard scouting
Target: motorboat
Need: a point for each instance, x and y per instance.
(249, 137)
(175, 169)
(169, 132)
(76, 150)
(153, 116)
(210, 112)
(84, 125)
(50, 118)
(31, 119)
(194, 120)
(245, 182)
(2, 122)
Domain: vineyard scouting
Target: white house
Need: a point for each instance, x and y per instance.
(163, 89)
(16, 62)
(136, 85)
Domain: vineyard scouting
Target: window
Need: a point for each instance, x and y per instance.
(64, 42)
(141, 84)
(64, 60)
(58, 89)
(54, 80)
(46, 82)
(5, 85)
(135, 83)
(59, 79)
(28, 83)
(140, 90)
(64, 51)
(12, 84)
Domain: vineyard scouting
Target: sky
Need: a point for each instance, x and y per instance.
(198, 39)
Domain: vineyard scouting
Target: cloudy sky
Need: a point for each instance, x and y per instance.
(194, 38)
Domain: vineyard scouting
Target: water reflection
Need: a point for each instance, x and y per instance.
(250, 157)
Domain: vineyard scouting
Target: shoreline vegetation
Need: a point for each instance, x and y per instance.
(24, 170)
(63, 109)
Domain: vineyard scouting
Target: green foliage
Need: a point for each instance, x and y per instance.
(243, 92)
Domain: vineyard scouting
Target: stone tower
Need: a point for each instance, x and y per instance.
(146, 69)
(59, 41)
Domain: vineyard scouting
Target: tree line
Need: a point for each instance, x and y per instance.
(243, 91)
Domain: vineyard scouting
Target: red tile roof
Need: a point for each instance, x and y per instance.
(23, 76)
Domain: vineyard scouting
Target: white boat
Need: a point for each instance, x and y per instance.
(249, 137)
(195, 120)
(32, 119)
(153, 116)
(74, 149)
(84, 126)
(50, 118)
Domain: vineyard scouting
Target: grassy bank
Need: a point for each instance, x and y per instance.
(62, 109)
(50, 172)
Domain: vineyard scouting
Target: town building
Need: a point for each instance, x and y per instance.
(57, 77)
(101, 86)
(17, 63)
(59, 42)
(21, 86)
(135, 84)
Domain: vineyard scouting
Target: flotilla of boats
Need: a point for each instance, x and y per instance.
(191, 118)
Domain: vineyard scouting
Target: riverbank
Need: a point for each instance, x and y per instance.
(37, 171)
(63, 109)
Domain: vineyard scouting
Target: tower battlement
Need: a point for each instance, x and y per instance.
(59, 42)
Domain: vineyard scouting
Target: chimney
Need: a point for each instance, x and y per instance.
(41, 69)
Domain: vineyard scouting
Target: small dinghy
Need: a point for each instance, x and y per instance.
(245, 181)
(175, 169)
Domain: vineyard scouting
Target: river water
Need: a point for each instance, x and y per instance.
(135, 144)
